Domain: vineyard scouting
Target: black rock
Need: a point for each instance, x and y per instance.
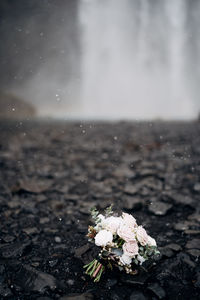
(197, 282)
(193, 244)
(167, 252)
(194, 252)
(182, 199)
(174, 247)
(8, 238)
(5, 291)
(159, 208)
(132, 203)
(115, 296)
(157, 290)
(197, 187)
(81, 250)
(14, 250)
(181, 226)
(44, 298)
(136, 280)
(186, 259)
(86, 296)
(136, 295)
(33, 280)
(111, 282)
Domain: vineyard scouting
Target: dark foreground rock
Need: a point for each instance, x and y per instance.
(52, 173)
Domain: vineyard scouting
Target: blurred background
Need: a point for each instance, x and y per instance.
(100, 59)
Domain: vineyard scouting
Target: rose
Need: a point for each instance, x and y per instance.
(103, 238)
(151, 242)
(126, 233)
(141, 235)
(129, 220)
(130, 249)
(112, 224)
(125, 260)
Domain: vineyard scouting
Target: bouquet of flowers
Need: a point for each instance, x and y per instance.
(122, 243)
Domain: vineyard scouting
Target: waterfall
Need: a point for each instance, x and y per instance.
(134, 59)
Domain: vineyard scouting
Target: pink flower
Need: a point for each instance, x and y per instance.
(125, 259)
(112, 224)
(130, 249)
(151, 241)
(129, 220)
(126, 233)
(141, 235)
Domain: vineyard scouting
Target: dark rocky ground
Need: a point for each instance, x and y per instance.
(52, 173)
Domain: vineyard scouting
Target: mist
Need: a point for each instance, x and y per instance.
(103, 59)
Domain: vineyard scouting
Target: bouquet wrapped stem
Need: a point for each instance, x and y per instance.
(94, 269)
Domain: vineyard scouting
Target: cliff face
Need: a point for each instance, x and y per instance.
(12, 107)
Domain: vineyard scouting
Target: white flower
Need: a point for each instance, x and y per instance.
(126, 233)
(129, 220)
(131, 248)
(142, 236)
(125, 259)
(112, 224)
(140, 259)
(103, 238)
(101, 217)
(151, 242)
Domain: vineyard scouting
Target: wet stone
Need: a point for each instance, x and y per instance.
(197, 281)
(115, 296)
(193, 244)
(159, 208)
(44, 220)
(186, 259)
(14, 250)
(195, 216)
(174, 247)
(182, 199)
(136, 295)
(132, 203)
(8, 238)
(111, 282)
(131, 189)
(33, 280)
(194, 252)
(5, 292)
(30, 230)
(167, 252)
(136, 280)
(192, 232)
(44, 298)
(157, 290)
(81, 250)
(197, 187)
(86, 296)
(30, 186)
(53, 262)
(181, 226)
(58, 239)
(70, 282)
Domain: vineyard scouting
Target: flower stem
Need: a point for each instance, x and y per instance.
(98, 277)
(94, 269)
(99, 266)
